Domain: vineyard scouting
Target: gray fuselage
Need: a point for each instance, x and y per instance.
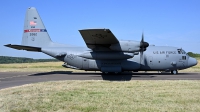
(155, 58)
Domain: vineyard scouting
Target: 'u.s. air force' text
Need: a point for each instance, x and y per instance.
(164, 52)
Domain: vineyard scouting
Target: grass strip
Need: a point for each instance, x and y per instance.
(103, 96)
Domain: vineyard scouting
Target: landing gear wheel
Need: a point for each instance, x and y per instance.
(174, 72)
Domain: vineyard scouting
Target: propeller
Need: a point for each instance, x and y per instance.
(143, 46)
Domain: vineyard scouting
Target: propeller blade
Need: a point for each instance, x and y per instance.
(143, 44)
(142, 38)
(141, 58)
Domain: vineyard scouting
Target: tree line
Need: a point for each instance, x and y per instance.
(8, 59)
(195, 55)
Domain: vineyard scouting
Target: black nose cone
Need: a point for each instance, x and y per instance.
(145, 44)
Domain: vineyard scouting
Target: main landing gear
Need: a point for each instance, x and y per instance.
(174, 72)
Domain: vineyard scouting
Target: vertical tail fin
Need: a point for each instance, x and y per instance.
(35, 33)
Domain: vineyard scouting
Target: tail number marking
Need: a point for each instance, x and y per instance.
(33, 34)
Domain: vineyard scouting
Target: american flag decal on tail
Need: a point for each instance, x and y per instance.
(33, 23)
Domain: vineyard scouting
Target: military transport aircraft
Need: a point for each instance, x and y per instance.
(105, 52)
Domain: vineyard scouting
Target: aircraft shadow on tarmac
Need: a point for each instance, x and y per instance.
(52, 73)
(125, 76)
(109, 77)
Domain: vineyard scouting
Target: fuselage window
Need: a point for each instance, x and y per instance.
(183, 57)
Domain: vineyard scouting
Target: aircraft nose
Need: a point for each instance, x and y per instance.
(192, 61)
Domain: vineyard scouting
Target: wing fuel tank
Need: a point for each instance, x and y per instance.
(107, 55)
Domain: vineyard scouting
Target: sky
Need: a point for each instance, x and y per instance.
(164, 22)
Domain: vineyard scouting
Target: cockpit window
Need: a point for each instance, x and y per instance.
(181, 51)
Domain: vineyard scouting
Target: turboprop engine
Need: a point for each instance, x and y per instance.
(130, 46)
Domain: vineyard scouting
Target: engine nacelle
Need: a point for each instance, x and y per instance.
(107, 55)
(130, 46)
(126, 46)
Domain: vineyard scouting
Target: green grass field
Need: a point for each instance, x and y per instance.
(89, 96)
(34, 67)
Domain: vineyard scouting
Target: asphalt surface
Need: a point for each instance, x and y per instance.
(11, 79)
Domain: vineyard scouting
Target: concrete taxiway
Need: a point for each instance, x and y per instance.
(11, 79)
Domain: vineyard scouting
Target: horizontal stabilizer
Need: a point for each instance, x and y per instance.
(22, 47)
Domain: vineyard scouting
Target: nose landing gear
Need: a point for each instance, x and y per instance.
(174, 72)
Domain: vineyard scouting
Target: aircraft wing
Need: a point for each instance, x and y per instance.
(98, 38)
(22, 47)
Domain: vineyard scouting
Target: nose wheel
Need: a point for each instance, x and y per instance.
(174, 72)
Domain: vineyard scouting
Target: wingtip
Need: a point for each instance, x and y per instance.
(7, 45)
